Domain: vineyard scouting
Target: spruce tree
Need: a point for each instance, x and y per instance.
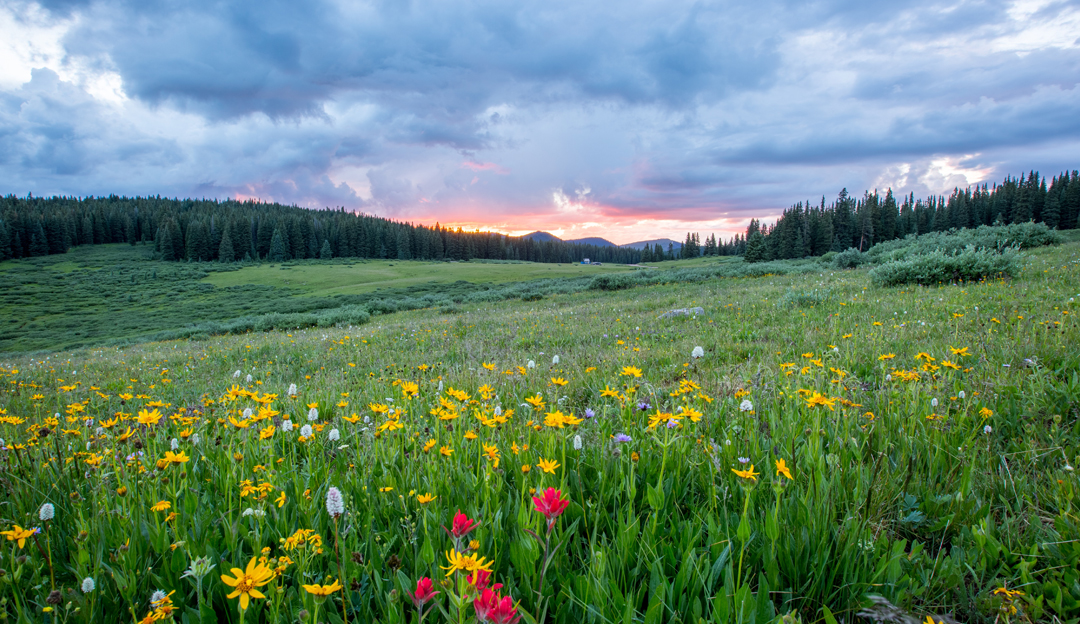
(756, 250)
(278, 253)
(225, 249)
(326, 253)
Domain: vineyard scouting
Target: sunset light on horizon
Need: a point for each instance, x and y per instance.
(627, 122)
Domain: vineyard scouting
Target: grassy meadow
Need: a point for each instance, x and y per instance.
(570, 457)
(118, 293)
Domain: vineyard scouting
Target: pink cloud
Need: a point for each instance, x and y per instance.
(485, 166)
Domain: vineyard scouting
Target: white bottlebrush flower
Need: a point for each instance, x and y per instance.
(158, 596)
(531, 364)
(292, 390)
(286, 425)
(248, 413)
(88, 585)
(933, 402)
(175, 444)
(334, 435)
(236, 375)
(305, 431)
(697, 353)
(746, 406)
(577, 443)
(888, 377)
(335, 504)
(249, 511)
(498, 410)
(962, 395)
(555, 361)
(313, 414)
(47, 512)
(248, 379)
(987, 429)
(440, 385)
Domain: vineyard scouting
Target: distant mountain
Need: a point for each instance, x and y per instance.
(542, 237)
(664, 242)
(599, 242)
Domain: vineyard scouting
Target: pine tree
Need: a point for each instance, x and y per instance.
(756, 250)
(326, 253)
(165, 244)
(278, 252)
(5, 242)
(225, 249)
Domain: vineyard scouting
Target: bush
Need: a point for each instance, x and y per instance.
(996, 238)
(849, 259)
(798, 298)
(939, 267)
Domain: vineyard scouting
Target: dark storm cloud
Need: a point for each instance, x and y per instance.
(659, 109)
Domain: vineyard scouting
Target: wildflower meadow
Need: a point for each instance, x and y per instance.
(807, 448)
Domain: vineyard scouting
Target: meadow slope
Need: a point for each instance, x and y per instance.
(835, 440)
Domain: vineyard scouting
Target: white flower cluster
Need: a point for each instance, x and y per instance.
(697, 353)
(335, 504)
(47, 512)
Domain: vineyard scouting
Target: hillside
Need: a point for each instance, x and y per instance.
(834, 439)
(663, 242)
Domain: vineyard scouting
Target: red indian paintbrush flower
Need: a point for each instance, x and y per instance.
(551, 505)
(462, 525)
(425, 591)
(480, 580)
(494, 609)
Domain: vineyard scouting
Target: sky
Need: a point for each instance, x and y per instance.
(628, 120)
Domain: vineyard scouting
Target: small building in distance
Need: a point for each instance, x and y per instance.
(585, 261)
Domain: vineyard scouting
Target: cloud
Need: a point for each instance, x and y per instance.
(675, 116)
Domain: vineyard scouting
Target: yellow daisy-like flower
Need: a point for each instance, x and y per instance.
(280, 500)
(559, 381)
(172, 458)
(747, 474)
(161, 506)
(18, 534)
(631, 371)
(322, 591)
(467, 563)
(446, 451)
(245, 583)
(548, 465)
(430, 444)
(782, 469)
(424, 499)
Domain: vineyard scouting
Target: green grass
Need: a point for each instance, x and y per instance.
(326, 280)
(898, 490)
(106, 294)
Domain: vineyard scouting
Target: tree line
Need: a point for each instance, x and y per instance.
(230, 230)
(808, 230)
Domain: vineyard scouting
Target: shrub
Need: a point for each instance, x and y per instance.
(996, 238)
(800, 298)
(939, 267)
(849, 259)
